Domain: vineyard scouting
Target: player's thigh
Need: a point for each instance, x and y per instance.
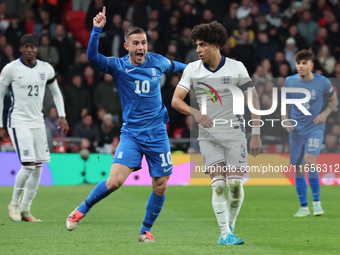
(212, 152)
(158, 156)
(313, 145)
(118, 174)
(296, 149)
(236, 154)
(41, 145)
(23, 141)
(128, 152)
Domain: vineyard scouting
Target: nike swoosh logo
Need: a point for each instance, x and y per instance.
(156, 214)
(241, 161)
(166, 170)
(220, 212)
(126, 70)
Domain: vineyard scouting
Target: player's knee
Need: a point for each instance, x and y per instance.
(235, 186)
(218, 185)
(113, 184)
(160, 189)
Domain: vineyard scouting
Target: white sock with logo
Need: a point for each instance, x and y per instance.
(219, 203)
(235, 197)
(31, 187)
(20, 182)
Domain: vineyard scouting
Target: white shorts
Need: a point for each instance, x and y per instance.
(232, 151)
(30, 144)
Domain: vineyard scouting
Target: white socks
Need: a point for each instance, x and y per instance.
(20, 181)
(235, 197)
(31, 187)
(219, 203)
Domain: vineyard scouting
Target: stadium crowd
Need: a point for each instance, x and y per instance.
(264, 35)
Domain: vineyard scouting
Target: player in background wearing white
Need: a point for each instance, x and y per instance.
(222, 145)
(305, 139)
(27, 79)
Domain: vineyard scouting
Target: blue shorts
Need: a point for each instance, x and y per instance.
(154, 144)
(302, 144)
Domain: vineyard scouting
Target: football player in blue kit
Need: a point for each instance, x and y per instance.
(305, 139)
(137, 76)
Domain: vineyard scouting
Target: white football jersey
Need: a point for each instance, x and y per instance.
(219, 99)
(27, 86)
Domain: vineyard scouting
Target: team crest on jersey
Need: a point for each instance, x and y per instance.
(226, 79)
(2, 74)
(26, 152)
(42, 76)
(154, 73)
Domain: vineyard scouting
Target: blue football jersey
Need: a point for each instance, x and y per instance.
(321, 90)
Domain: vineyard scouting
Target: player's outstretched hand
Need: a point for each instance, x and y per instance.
(204, 120)
(3, 134)
(320, 119)
(255, 145)
(100, 19)
(63, 122)
(288, 127)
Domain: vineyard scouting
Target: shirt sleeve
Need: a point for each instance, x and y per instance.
(6, 76)
(286, 85)
(185, 82)
(244, 80)
(328, 88)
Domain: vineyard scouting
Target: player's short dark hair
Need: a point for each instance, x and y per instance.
(213, 33)
(133, 30)
(304, 55)
(29, 38)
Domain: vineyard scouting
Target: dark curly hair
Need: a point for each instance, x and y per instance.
(304, 55)
(213, 33)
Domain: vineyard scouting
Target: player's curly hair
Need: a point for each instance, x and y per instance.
(213, 33)
(304, 55)
(133, 30)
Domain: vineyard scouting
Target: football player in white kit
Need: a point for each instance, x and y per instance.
(27, 79)
(223, 144)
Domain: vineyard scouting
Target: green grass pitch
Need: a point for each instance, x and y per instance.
(186, 225)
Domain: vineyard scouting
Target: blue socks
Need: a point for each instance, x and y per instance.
(153, 208)
(301, 189)
(98, 193)
(314, 182)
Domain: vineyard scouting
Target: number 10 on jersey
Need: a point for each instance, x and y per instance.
(145, 87)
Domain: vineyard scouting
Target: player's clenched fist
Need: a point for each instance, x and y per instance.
(100, 19)
(204, 120)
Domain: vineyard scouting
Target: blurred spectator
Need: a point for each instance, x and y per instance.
(80, 64)
(154, 42)
(190, 130)
(225, 51)
(290, 51)
(284, 70)
(165, 11)
(277, 61)
(334, 37)
(108, 132)
(308, 28)
(259, 76)
(326, 60)
(207, 16)
(290, 11)
(118, 49)
(296, 18)
(244, 51)
(8, 56)
(184, 44)
(86, 129)
(51, 122)
(81, 5)
(331, 142)
(267, 69)
(264, 49)
(300, 42)
(268, 88)
(230, 22)
(236, 35)
(77, 100)
(336, 72)
(172, 53)
(95, 7)
(48, 52)
(138, 13)
(28, 22)
(66, 49)
(45, 23)
(4, 19)
(274, 17)
(327, 18)
(189, 17)
(191, 56)
(14, 33)
(106, 96)
(171, 32)
(90, 80)
(282, 32)
(262, 23)
(322, 39)
(318, 8)
(244, 10)
(3, 43)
